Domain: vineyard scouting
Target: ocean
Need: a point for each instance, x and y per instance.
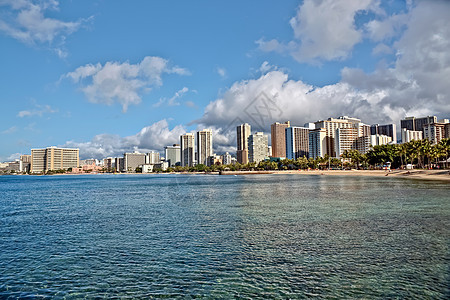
(206, 236)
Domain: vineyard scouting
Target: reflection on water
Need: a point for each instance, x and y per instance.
(274, 236)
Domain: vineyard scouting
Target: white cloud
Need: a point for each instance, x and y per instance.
(382, 49)
(172, 101)
(25, 21)
(222, 72)
(415, 85)
(10, 130)
(153, 137)
(14, 156)
(38, 110)
(379, 30)
(323, 30)
(123, 83)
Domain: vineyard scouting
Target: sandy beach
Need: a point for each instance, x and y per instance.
(412, 174)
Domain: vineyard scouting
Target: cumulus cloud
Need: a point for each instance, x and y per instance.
(38, 110)
(25, 21)
(323, 30)
(122, 83)
(153, 137)
(416, 84)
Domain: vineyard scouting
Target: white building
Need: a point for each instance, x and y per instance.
(380, 139)
(317, 143)
(204, 146)
(409, 135)
(187, 149)
(173, 155)
(257, 147)
(226, 159)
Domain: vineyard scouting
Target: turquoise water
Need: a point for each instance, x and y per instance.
(266, 236)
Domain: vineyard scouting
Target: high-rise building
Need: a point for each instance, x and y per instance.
(297, 142)
(278, 138)
(317, 143)
(173, 155)
(388, 129)
(25, 163)
(417, 124)
(118, 164)
(409, 135)
(257, 147)
(53, 158)
(434, 132)
(153, 158)
(204, 146)
(243, 131)
(330, 127)
(133, 160)
(187, 149)
(355, 138)
(226, 159)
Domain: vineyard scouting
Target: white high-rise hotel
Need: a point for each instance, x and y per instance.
(204, 146)
(187, 145)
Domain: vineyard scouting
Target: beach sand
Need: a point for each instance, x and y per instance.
(412, 174)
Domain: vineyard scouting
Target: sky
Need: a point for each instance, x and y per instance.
(110, 77)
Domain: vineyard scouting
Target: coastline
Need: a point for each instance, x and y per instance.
(411, 174)
(418, 174)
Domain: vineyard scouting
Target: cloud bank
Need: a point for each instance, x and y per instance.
(153, 137)
(414, 84)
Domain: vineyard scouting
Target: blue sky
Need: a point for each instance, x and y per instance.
(115, 76)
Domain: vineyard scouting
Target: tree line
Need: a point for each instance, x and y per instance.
(421, 153)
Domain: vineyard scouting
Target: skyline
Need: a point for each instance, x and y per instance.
(201, 65)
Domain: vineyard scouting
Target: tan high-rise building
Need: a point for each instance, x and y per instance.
(242, 133)
(133, 160)
(330, 126)
(355, 138)
(53, 158)
(204, 147)
(434, 132)
(187, 149)
(278, 138)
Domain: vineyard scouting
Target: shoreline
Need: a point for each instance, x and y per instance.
(418, 174)
(442, 175)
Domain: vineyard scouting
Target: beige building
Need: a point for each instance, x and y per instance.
(278, 138)
(355, 138)
(187, 142)
(330, 126)
(131, 161)
(204, 147)
(242, 133)
(435, 132)
(53, 158)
